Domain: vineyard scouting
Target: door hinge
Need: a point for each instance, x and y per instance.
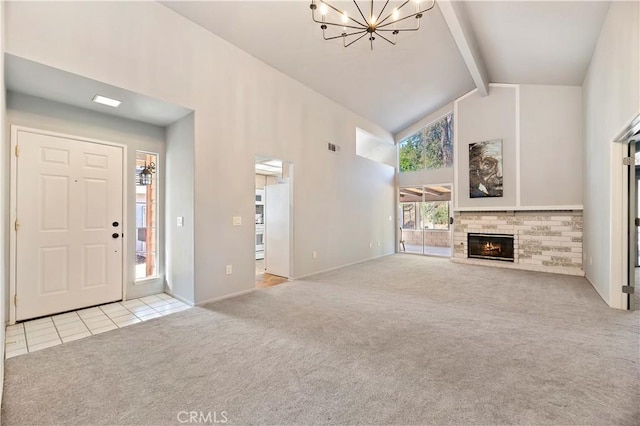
(16, 225)
(15, 300)
(628, 161)
(628, 289)
(17, 150)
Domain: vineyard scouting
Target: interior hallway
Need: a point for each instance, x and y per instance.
(264, 280)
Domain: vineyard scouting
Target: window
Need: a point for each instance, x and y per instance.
(435, 214)
(146, 220)
(425, 215)
(429, 148)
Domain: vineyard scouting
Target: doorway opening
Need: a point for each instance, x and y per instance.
(425, 220)
(273, 221)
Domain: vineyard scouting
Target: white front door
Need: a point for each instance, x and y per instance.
(69, 202)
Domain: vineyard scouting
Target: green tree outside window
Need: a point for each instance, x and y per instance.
(429, 148)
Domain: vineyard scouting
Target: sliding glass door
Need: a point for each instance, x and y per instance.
(424, 213)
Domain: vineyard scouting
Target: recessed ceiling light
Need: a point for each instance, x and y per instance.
(99, 99)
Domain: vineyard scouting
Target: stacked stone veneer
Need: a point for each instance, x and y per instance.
(548, 241)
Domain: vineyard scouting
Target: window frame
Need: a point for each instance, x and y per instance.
(423, 159)
(156, 188)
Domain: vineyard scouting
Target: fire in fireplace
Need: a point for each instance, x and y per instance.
(490, 246)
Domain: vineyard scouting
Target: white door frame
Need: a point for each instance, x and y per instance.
(13, 235)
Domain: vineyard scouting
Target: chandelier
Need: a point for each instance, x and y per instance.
(336, 23)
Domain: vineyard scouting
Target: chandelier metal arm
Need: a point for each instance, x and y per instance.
(359, 10)
(408, 16)
(383, 37)
(339, 25)
(364, 32)
(382, 11)
(353, 41)
(360, 26)
(374, 25)
(398, 29)
(340, 12)
(391, 14)
(390, 30)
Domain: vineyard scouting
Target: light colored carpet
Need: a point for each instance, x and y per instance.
(399, 340)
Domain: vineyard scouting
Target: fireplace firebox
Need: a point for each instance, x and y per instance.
(490, 246)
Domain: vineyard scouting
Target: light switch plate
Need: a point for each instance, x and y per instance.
(180, 221)
(237, 220)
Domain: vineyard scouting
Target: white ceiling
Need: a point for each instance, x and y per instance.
(529, 42)
(392, 86)
(535, 42)
(32, 78)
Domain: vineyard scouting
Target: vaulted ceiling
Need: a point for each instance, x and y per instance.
(527, 42)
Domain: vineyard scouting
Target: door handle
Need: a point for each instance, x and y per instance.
(115, 235)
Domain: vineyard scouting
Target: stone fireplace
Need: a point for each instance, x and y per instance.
(490, 246)
(546, 241)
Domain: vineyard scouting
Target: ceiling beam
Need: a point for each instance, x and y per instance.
(455, 15)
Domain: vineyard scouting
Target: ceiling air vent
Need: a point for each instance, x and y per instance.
(332, 147)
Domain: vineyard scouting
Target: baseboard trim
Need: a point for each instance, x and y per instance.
(341, 266)
(180, 298)
(520, 266)
(598, 292)
(228, 296)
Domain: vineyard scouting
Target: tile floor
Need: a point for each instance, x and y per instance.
(31, 336)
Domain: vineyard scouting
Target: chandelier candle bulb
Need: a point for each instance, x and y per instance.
(364, 20)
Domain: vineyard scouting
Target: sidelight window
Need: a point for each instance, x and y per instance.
(146, 219)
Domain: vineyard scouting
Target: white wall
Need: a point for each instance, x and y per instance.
(4, 203)
(242, 108)
(179, 241)
(551, 145)
(611, 99)
(541, 131)
(372, 148)
(37, 113)
(482, 118)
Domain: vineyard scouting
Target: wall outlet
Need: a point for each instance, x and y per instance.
(180, 221)
(370, 244)
(590, 261)
(378, 243)
(390, 218)
(314, 254)
(237, 220)
(229, 269)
